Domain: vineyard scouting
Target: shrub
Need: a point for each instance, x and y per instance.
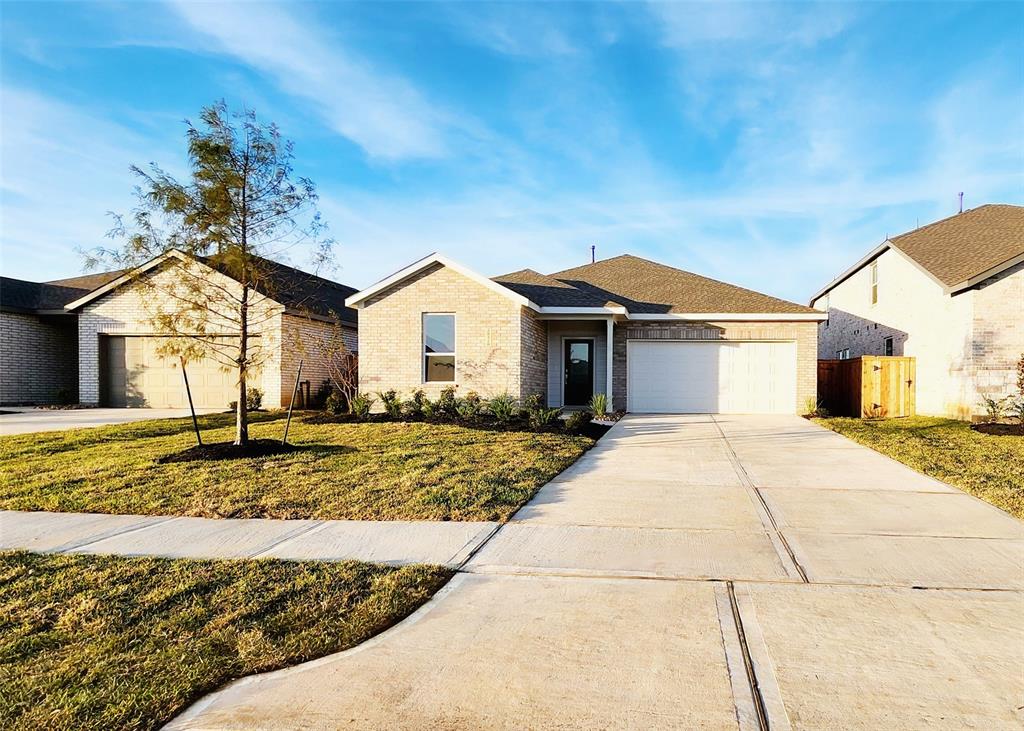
(995, 409)
(1020, 376)
(392, 404)
(428, 409)
(503, 408)
(253, 400)
(469, 408)
(577, 421)
(335, 403)
(813, 407)
(445, 405)
(413, 408)
(599, 405)
(361, 404)
(1017, 409)
(544, 417)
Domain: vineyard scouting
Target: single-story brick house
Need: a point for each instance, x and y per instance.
(657, 339)
(951, 294)
(39, 338)
(111, 345)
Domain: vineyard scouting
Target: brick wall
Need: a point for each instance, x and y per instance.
(304, 339)
(488, 336)
(131, 309)
(534, 354)
(997, 341)
(38, 358)
(805, 334)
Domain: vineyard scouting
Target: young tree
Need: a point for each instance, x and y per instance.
(239, 210)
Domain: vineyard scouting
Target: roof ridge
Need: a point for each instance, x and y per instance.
(951, 217)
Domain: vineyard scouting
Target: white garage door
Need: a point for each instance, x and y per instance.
(711, 377)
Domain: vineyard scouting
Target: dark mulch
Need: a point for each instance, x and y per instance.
(1000, 430)
(227, 450)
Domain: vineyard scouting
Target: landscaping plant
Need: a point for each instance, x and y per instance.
(336, 403)
(599, 405)
(361, 405)
(539, 415)
(995, 409)
(253, 400)
(469, 407)
(445, 406)
(392, 404)
(503, 408)
(413, 408)
(577, 421)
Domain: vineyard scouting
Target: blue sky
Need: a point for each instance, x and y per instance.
(767, 145)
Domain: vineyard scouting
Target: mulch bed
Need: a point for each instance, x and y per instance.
(228, 450)
(1000, 430)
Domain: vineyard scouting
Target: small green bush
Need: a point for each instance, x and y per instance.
(392, 404)
(599, 405)
(995, 409)
(253, 400)
(544, 418)
(413, 408)
(361, 405)
(428, 409)
(503, 408)
(1017, 410)
(335, 403)
(469, 407)
(577, 421)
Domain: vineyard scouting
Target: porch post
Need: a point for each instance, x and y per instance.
(609, 358)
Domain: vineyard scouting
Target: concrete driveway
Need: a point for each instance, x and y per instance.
(26, 419)
(690, 571)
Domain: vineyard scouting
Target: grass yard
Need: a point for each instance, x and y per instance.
(371, 471)
(127, 643)
(986, 466)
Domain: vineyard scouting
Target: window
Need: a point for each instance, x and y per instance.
(887, 349)
(843, 354)
(874, 282)
(439, 348)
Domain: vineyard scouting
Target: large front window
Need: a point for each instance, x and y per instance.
(439, 348)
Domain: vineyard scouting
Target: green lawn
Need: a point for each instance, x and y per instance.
(373, 471)
(986, 466)
(127, 643)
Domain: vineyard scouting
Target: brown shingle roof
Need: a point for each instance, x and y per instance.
(643, 287)
(88, 282)
(963, 246)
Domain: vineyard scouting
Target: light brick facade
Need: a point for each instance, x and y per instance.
(965, 345)
(304, 339)
(131, 309)
(804, 334)
(38, 359)
(489, 333)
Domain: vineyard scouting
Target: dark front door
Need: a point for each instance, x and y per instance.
(579, 372)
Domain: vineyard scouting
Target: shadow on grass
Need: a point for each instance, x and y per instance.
(518, 426)
(255, 449)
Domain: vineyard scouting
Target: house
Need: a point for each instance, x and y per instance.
(951, 294)
(39, 339)
(657, 339)
(111, 349)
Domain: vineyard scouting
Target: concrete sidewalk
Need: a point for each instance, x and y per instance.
(806, 582)
(390, 542)
(29, 420)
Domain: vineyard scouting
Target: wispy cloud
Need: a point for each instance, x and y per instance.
(380, 111)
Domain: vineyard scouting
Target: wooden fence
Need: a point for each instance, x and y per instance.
(872, 386)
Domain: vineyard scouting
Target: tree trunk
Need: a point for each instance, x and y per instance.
(242, 414)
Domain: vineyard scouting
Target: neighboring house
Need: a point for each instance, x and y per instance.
(108, 340)
(951, 294)
(658, 339)
(39, 339)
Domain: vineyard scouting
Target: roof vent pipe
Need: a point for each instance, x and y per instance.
(961, 201)
(593, 249)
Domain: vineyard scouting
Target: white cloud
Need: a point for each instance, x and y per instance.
(381, 112)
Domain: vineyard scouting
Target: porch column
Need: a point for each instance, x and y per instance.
(609, 359)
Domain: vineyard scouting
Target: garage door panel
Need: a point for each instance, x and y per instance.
(711, 377)
(136, 374)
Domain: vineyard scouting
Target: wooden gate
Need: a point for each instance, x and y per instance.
(871, 387)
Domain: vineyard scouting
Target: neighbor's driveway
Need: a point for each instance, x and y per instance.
(26, 419)
(803, 582)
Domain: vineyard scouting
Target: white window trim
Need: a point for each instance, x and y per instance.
(424, 353)
(873, 275)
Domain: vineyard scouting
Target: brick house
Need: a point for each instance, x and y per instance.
(109, 345)
(657, 339)
(39, 339)
(951, 294)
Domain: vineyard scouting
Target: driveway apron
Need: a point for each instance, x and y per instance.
(696, 572)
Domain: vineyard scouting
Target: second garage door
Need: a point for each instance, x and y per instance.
(711, 377)
(133, 373)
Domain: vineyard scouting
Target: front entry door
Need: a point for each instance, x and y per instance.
(579, 372)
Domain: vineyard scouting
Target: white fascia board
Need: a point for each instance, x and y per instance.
(435, 258)
(597, 311)
(870, 256)
(993, 271)
(736, 316)
(127, 277)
